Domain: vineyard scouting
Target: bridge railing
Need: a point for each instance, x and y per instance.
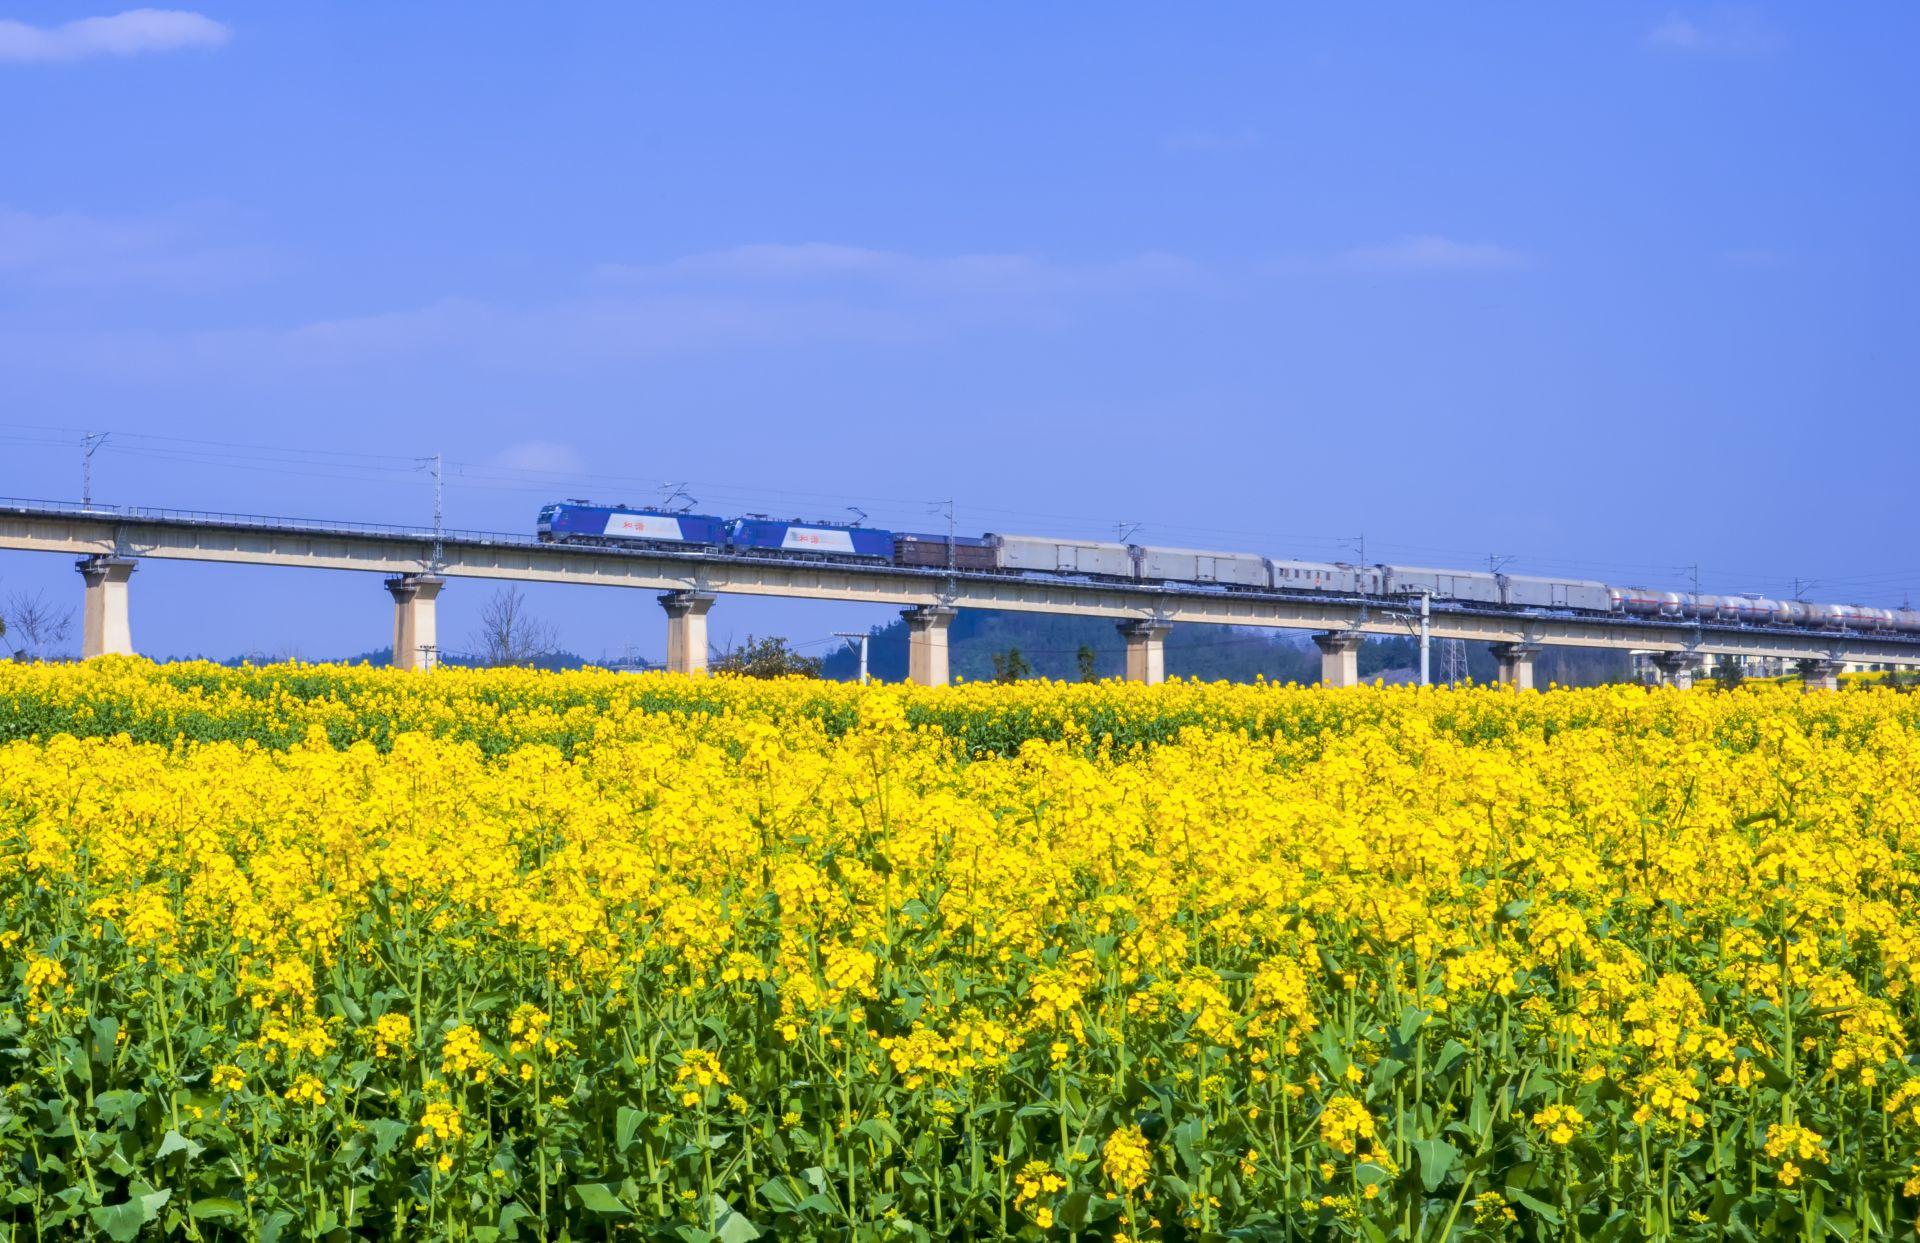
(148, 513)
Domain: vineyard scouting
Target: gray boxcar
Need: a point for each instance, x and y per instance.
(1528, 592)
(1062, 556)
(1194, 565)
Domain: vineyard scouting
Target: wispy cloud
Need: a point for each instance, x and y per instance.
(1725, 31)
(1211, 142)
(136, 32)
(1428, 253)
(541, 456)
(742, 299)
(65, 248)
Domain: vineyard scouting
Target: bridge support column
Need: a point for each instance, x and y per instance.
(1676, 668)
(1514, 664)
(687, 630)
(1820, 675)
(927, 643)
(105, 629)
(1339, 657)
(1146, 650)
(416, 634)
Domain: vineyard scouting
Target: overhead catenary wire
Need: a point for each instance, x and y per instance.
(899, 513)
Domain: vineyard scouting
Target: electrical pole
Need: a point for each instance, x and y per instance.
(1426, 638)
(439, 516)
(89, 443)
(862, 636)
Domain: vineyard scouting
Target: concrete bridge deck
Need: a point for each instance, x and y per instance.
(415, 563)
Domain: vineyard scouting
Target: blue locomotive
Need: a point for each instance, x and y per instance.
(759, 533)
(577, 522)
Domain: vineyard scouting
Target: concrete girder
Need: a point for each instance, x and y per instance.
(1339, 657)
(1676, 668)
(1514, 664)
(416, 636)
(1820, 675)
(1146, 650)
(106, 626)
(927, 627)
(687, 630)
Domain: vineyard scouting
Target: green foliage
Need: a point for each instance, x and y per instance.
(768, 657)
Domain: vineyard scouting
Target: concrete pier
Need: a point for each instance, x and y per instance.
(105, 627)
(1820, 675)
(1339, 657)
(927, 643)
(1146, 650)
(1676, 668)
(687, 629)
(416, 633)
(1513, 664)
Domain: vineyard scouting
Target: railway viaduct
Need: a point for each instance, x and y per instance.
(416, 564)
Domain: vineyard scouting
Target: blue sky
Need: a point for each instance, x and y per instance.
(1613, 289)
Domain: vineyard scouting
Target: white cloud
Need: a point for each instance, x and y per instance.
(135, 32)
(66, 248)
(1428, 253)
(1725, 31)
(1211, 142)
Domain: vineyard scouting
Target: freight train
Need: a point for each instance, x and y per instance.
(578, 522)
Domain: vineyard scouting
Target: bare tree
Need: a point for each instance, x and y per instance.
(34, 627)
(509, 634)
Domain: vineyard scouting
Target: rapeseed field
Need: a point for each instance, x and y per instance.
(334, 953)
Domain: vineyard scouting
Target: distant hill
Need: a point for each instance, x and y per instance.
(1050, 644)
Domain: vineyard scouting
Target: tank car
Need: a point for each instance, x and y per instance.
(1644, 602)
(577, 522)
(759, 535)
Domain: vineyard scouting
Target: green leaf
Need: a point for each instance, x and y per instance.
(778, 1196)
(122, 1222)
(729, 1226)
(1540, 1208)
(599, 1198)
(386, 1133)
(1437, 1158)
(175, 1142)
(510, 1218)
(270, 1229)
(216, 1207)
(106, 1038)
(118, 1108)
(626, 1122)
